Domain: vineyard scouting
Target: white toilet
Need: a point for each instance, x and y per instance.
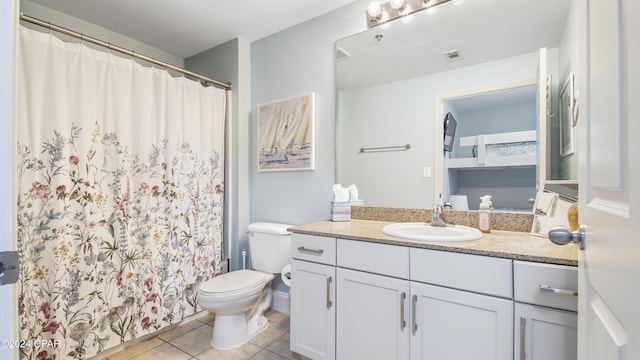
(239, 298)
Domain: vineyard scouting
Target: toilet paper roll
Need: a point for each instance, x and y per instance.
(285, 275)
(459, 202)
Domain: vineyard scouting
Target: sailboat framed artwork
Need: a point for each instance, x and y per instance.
(286, 136)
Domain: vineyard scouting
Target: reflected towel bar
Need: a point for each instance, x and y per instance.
(387, 148)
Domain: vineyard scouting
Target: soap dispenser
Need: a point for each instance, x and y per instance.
(484, 214)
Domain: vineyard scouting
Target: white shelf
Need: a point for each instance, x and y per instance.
(491, 162)
(500, 138)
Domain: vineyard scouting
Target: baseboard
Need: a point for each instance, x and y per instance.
(280, 301)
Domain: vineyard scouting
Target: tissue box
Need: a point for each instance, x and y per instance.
(340, 211)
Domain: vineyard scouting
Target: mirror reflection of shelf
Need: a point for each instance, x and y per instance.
(497, 150)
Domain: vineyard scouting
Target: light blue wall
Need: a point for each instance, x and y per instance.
(568, 166)
(230, 62)
(75, 24)
(293, 62)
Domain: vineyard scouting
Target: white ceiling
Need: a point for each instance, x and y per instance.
(188, 27)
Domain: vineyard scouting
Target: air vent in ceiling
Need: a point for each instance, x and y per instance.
(452, 55)
(341, 54)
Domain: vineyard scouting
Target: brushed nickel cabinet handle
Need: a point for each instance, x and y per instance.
(329, 280)
(523, 329)
(313, 251)
(403, 323)
(547, 288)
(414, 324)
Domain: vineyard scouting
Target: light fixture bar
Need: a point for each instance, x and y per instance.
(392, 13)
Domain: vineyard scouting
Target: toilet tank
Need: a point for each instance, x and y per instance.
(269, 246)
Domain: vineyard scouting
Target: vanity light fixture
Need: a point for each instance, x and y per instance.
(383, 14)
(402, 6)
(429, 7)
(377, 14)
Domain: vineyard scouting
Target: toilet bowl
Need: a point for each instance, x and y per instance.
(239, 298)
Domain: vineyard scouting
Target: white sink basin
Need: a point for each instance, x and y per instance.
(425, 232)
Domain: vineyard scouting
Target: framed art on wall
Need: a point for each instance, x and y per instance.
(566, 118)
(286, 134)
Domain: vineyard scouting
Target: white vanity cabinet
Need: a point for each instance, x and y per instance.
(461, 305)
(373, 293)
(545, 311)
(444, 306)
(313, 308)
(355, 300)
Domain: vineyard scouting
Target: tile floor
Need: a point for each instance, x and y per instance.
(191, 341)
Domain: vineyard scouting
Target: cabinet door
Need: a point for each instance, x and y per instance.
(372, 316)
(545, 334)
(454, 324)
(313, 317)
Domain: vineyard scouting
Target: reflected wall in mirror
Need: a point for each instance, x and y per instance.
(553, 204)
(389, 82)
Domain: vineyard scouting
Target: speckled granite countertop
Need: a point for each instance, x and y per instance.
(502, 244)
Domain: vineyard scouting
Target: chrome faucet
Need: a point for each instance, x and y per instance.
(436, 218)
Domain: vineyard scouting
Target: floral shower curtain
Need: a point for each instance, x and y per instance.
(120, 196)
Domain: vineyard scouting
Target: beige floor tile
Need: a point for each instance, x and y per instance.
(266, 355)
(243, 352)
(207, 319)
(269, 335)
(281, 346)
(137, 349)
(192, 341)
(195, 341)
(165, 351)
(278, 318)
(179, 330)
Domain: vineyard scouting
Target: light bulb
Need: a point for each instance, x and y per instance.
(384, 16)
(374, 9)
(405, 11)
(396, 4)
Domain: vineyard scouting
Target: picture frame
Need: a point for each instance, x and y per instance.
(286, 134)
(566, 113)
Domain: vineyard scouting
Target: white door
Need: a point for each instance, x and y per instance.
(543, 100)
(372, 317)
(454, 324)
(313, 310)
(8, 308)
(609, 145)
(542, 333)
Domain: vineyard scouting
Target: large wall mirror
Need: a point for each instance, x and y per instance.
(477, 61)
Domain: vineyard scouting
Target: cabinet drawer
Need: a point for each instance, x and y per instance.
(554, 286)
(390, 260)
(318, 249)
(481, 274)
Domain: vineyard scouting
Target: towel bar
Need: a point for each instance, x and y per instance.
(386, 148)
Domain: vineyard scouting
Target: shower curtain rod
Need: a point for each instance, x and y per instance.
(131, 53)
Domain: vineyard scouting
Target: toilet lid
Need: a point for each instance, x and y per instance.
(232, 281)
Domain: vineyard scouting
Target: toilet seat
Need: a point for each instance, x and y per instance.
(234, 283)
